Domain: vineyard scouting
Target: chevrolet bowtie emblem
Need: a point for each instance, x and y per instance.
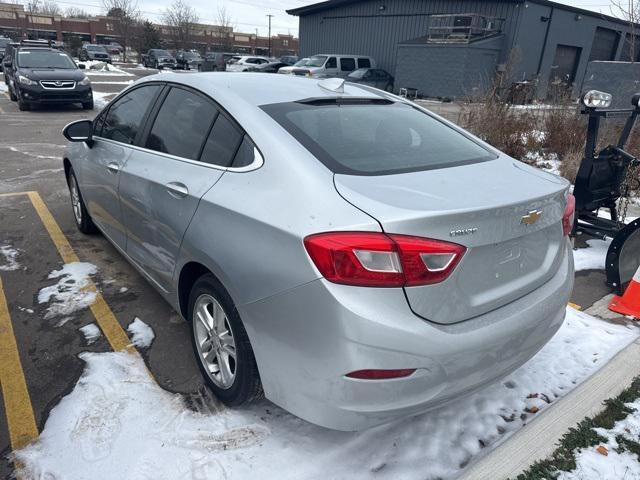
(532, 217)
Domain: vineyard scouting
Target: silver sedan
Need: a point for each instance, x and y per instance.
(346, 252)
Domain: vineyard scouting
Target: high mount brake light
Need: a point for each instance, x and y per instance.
(372, 259)
(569, 215)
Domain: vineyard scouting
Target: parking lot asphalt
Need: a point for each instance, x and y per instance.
(31, 148)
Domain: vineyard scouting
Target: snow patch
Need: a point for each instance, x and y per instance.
(615, 466)
(72, 292)
(593, 257)
(8, 258)
(95, 67)
(101, 99)
(123, 290)
(141, 334)
(91, 333)
(119, 422)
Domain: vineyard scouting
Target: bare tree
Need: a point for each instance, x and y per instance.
(629, 10)
(226, 24)
(181, 19)
(75, 12)
(43, 7)
(126, 16)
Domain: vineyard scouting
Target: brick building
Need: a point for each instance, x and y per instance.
(17, 23)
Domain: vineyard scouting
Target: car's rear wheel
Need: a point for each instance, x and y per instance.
(221, 344)
(80, 213)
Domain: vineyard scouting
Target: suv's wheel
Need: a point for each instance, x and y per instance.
(23, 106)
(87, 105)
(12, 95)
(80, 214)
(221, 344)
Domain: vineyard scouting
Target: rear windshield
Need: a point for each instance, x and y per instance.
(44, 59)
(375, 138)
(95, 48)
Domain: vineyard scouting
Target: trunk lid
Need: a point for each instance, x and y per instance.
(480, 206)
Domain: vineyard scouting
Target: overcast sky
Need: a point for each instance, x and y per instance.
(248, 15)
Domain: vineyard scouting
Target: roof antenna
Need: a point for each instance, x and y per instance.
(332, 84)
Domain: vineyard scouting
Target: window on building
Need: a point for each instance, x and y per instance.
(285, 43)
(605, 45)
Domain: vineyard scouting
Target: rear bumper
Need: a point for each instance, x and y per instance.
(37, 94)
(307, 339)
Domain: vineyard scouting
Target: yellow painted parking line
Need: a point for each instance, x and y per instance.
(105, 318)
(575, 306)
(13, 194)
(17, 403)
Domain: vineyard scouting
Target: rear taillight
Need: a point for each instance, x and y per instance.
(569, 215)
(379, 260)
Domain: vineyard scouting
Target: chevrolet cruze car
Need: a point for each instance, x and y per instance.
(347, 252)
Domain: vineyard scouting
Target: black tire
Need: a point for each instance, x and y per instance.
(84, 223)
(246, 386)
(12, 95)
(23, 106)
(87, 105)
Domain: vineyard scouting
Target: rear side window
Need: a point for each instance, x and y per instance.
(376, 138)
(223, 142)
(245, 154)
(182, 124)
(347, 64)
(122, 122)
(364, 63)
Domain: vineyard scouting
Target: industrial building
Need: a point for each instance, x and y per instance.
(452, 48)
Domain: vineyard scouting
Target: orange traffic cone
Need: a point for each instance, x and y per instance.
(629, 303)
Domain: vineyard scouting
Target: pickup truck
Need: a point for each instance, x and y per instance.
(158, 58)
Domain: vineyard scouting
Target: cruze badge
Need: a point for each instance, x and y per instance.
(532, 217)
(463, 231)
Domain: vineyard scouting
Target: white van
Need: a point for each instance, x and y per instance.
(331, 65)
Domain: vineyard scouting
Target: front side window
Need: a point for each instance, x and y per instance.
(375, 137)
(124, 118)
(44, 59)
(182, 124)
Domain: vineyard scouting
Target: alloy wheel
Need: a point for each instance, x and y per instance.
(215, 341)
(75, 199)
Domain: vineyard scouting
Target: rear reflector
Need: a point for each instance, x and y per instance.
(380, 260)
(569, 215)
(381, 374)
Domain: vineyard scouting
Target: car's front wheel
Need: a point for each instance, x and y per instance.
(23, 106)
(221, 344)
(12, 95)
(80, 213)
(87, 105)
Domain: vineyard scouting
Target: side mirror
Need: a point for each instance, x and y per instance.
(79, 131)
(82, 66)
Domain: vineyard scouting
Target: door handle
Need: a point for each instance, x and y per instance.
(177, 189)
(113, 167)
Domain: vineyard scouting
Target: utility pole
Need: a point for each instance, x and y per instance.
(269, 34)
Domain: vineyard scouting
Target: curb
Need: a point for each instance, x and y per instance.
(539, 439)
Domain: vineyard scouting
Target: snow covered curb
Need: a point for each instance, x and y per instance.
(118, 423)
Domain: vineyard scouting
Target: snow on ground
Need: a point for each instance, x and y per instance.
(101, 99)
(614, 466)
(95, 67)
(91, 333)
(8, 258)
(593, 257)
(125, 82)
(118, 423)
(142, 334)
(3, 87)
(72, 292)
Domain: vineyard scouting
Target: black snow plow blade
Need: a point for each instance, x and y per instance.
(623, 257)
